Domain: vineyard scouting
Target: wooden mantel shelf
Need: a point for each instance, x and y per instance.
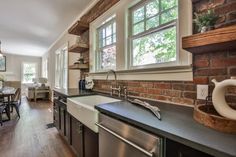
(78, 28)
(79, 48)
(216, 40)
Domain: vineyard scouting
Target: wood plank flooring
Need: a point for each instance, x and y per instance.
(29, 137)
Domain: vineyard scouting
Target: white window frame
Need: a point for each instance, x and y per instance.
(36, 73)
(107, 22)
(45, 67)
(176, 71)
(170, 24)
(61, 68)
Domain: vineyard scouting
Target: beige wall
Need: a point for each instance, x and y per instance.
(74, 75)
(14, 66)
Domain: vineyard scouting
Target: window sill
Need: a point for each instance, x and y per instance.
(172, 73)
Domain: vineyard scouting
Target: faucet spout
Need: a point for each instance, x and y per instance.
(114, 73)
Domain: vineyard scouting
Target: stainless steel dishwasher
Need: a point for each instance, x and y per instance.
(118, 139)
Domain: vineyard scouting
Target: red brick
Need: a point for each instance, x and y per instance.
(163, 98)
(202, 72)
(214, 72)
(178, 86)
(156, 91)
(133, 83)
(190, 95)
(201, 80)
(173, 93)
(146, 84)
(161, 85)
(224, 9)
(190, 87)
(201, 63)
(201, 56)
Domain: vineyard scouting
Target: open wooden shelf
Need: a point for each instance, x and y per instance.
(78, 28)
(216, 40)
(79, 67)
(79, 48)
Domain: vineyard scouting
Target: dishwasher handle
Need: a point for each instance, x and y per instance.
(150, 154)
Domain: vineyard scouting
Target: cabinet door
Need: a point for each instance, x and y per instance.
(90, 143)
(174, 149)
(62, 120)
(77, 136)
(56, 117)
(67, 126)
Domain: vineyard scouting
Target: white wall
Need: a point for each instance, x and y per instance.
(74, 75)
(14, 66)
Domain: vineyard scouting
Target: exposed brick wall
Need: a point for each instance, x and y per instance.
(171, 91)
(219, 65)
(226, 9)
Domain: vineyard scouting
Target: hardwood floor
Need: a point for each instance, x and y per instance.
(29, 137)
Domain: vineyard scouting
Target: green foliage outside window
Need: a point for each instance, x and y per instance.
(152, 42)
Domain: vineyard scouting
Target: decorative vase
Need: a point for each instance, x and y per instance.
(218, 98)
(203, 29)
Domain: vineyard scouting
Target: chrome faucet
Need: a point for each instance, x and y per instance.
(116, 88)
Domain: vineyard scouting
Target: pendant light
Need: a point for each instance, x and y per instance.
(1, 54)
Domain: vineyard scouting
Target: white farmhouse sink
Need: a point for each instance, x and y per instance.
(82, 108)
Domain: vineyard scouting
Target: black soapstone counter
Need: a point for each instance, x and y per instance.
(177, 124)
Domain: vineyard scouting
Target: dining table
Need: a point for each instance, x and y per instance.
(8, 93)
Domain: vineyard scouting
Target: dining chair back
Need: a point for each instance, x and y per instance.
(16, 101)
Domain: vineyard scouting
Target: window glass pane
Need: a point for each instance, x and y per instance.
(152, 22)
(114, 38)
(167, 4)
(138, 28)
(169, 15)
(138, 15)
(29, 72)
(108, 58)
(152, 8)
(108, 40)
(108, 30)
(158, 47)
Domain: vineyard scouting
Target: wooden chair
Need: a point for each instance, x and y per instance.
(16, 101)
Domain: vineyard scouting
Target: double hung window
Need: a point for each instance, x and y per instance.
(153, 32)
(106, 45)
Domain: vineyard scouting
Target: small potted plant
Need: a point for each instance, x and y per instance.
(206, 21)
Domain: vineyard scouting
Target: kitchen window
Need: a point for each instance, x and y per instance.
(148, 40)
(61, 69)
(106, 45)
(153, 32)
(30, 71)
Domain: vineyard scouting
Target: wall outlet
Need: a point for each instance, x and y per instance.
(202, 92)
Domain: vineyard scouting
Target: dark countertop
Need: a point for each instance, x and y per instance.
(73, 92)
(177, 124)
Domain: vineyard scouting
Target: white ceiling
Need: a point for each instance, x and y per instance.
(30, 27)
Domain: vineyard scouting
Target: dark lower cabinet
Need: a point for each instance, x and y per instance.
(90, 143)
(77, 136)
(56, 117)
(174, 149)
(62, 114)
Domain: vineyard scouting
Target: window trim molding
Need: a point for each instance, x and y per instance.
(122, 9)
